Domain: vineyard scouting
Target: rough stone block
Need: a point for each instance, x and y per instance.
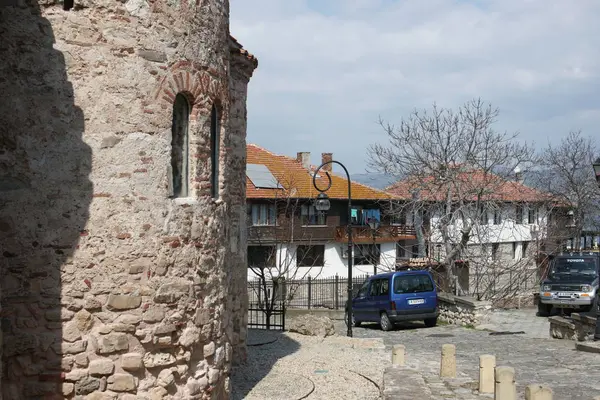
(190, 336)
(68, 388)
(101, 366)
(131, 362)
(154, 314)
(76, 374)
(123, 302)
(112, 342)
(158, 360)
(70, 348)
(86, 385)
(121, 383)
(84, 320)
(165, 378)
(172, 292)
(129, 319)
(153, 55)
(71, 332)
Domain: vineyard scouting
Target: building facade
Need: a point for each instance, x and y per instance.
(122, 222)
(505, 222)
(289, 237)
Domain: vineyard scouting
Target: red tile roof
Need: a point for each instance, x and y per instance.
(469, 183)
(297, 181)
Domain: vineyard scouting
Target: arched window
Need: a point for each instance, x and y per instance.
(214, 151)
(179, 147)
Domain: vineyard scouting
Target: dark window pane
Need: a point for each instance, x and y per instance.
(412, 284)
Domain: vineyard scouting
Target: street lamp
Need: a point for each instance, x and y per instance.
(596, 166)
(374, 225)
(323, 202)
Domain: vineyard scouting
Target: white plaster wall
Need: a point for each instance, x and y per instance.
(507, 231)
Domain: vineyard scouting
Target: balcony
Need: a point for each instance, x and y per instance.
(283, 234)
(386, 233)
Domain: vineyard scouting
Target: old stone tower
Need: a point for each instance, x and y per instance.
(122, 185)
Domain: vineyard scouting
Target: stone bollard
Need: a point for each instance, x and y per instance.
(538, 392)
(448, 363)
(398, 353)
(505, 384)
(487, 366)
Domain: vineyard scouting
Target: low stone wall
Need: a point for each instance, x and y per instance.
(460, 310)
(578, 327)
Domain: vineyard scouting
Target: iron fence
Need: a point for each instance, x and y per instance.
(260, 317)
(327, 293)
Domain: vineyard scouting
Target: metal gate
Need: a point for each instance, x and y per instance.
(266, 313)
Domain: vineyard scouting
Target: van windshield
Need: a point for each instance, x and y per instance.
(412, 284)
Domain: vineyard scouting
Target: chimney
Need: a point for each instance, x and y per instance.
(304, 158)
(518, 175)
(325, 157)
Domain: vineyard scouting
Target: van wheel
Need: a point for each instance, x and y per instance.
(353, 320)
(430, 322)
(544, 309)
(384, 321)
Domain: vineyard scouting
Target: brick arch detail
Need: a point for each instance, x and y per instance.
(203, 87)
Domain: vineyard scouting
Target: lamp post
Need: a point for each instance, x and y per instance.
(322, 204)
(596, 166)
(374, 225)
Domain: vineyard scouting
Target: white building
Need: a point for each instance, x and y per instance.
(288, 237)
(507, 224)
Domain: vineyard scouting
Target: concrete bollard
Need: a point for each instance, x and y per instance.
(505, 384)
(487, 366)
(398, 353)
(448, 363)
(538, 392)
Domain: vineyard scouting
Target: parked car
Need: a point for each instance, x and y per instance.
(396, 297)
(571, 283)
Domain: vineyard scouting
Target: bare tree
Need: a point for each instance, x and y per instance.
(280, 253)
(566, 173)
(452, 164)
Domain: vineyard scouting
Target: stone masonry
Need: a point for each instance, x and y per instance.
(110, 288)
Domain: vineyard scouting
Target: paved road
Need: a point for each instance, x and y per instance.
(572, 375)
(518, 320)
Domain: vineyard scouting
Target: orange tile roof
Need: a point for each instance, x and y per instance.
(470, 183)
(297, 181)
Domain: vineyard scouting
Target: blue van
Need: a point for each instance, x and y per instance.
(395, 297)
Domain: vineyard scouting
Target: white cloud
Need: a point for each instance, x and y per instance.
(329, 68)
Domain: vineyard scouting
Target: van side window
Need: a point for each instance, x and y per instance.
(384, 289)
(362, 292)
(375, 287)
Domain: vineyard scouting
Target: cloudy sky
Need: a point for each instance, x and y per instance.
(329, 68)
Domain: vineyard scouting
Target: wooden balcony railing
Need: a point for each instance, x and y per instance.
(386, 233)
(360, 234)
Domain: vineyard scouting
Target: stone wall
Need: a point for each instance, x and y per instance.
(461, 310)
(109, 287)
(579, 327)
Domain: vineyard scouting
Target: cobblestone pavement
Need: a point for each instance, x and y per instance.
(572, 375)
(289, 366)
(518, 320)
